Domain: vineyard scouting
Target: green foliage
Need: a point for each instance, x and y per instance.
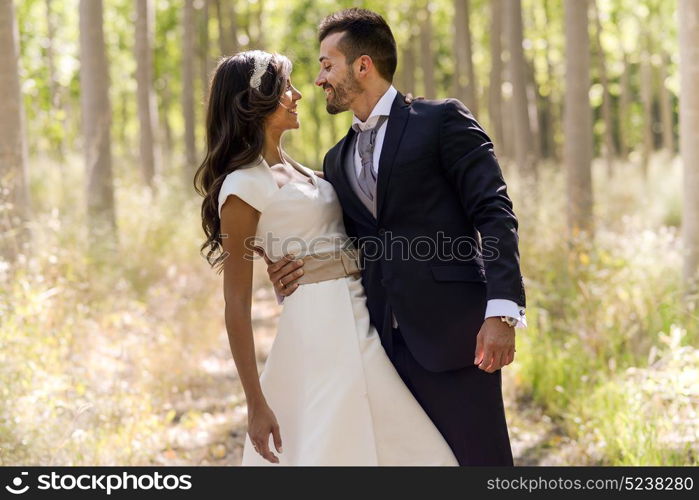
(290, 27)
(608, 348)
(91, 356)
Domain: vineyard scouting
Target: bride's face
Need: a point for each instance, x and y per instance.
(286, 115)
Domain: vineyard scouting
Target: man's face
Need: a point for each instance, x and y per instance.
(336, 76)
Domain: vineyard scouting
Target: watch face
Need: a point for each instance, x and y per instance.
(510, 321)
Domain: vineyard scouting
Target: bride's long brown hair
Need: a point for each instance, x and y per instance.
(235, 120)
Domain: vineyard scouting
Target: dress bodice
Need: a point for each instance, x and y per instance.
(299, 218)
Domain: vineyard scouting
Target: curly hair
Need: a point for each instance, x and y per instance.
(235, 120)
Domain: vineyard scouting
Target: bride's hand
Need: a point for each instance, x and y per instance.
(262, 422)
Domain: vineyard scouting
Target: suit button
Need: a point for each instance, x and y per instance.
(382, 231)
(383, 282)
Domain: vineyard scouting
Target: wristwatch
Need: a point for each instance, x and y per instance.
(509, 320)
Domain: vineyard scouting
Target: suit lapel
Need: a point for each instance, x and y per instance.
(395, 127)
(344, 187)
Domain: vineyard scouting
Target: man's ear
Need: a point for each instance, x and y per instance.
(363, 64)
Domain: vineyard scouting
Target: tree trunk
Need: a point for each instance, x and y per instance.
(508, 132)
(144, 80)
(168, 140)
(188, 89)
(96, 110)
(624, 106)
(689, 135)
(495, 88)
(465, 86)
(647, 101)
(551, 112)
(578, 118)
(408, 62)
(534, 105)
(666, 113)
(609, 149)
(204, 61)
(227, 27)
(14, 232)
(520, 119)
(427, 54)
(260, 23)
(54, 87)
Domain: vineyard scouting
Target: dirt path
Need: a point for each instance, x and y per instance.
(210, 416)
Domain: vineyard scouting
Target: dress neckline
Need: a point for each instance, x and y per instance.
(300, 168)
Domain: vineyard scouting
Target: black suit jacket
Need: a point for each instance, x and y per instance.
(445, 237)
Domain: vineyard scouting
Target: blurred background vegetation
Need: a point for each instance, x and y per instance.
(112, 342)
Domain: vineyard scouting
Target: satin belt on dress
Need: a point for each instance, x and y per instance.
(330, 265)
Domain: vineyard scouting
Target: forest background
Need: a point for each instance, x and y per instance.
(113, 348)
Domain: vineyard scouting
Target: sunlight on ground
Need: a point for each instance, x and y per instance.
(130, 364)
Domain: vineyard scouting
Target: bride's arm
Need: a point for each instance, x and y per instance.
(239, 224)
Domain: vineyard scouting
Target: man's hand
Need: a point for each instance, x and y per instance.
(284, 273)
(495, 345)
(409, 98)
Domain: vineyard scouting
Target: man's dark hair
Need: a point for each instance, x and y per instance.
(366, 33)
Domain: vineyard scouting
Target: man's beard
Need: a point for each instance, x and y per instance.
(340, 97)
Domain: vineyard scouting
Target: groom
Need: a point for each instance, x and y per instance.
(421, 189)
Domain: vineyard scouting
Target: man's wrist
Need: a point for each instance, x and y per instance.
(504, 307)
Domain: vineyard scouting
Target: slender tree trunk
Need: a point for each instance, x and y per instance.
(609, 149)
(188, 89)
(204, 60)
(123, 144)
(624, 107)
(647, 100)
(551, 116)
(465, 86)
(414, 51)
(666, 113)
(54, 87)
(146, 98)
(689, 135)
(533, 105)
(168, 139)
(508, 132)
(578, 118)
(520, 119)
(427, 54)
(260, 22)
(96, 110)
(227, 27)
(14, 178)
(495, 89)
(408, 63)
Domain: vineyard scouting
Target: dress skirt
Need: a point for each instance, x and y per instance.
(337, 397)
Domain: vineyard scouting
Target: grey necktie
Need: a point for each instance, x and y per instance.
(366, 141)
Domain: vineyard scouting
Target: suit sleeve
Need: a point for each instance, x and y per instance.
(469, 162)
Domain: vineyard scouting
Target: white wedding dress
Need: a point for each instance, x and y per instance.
(337, 397)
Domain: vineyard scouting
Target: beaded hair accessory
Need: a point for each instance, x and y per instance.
(262, 60)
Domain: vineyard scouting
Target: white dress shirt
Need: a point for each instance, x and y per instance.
(495, 307)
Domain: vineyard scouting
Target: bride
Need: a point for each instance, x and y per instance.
(328, 394)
